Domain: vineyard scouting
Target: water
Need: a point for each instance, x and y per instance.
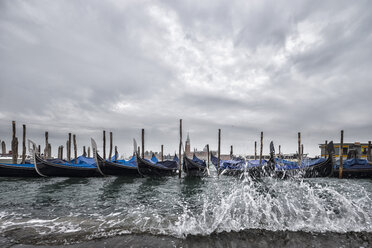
(187, 212)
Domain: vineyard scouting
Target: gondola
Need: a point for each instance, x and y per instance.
(26, 169)
(194, 167)
(175, 158)
(309, 168)
(155, 168)
(115, 167)
(255, 169)
(228, 167)
(263, 168)
(18, 170)
(354, 168)
(84, 167)
(118, 167)
(252, 168)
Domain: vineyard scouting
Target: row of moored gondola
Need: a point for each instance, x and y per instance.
(137, 166)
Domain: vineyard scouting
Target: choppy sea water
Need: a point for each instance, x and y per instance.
(187, 212)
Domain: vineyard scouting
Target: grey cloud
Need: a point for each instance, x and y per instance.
(77, 66)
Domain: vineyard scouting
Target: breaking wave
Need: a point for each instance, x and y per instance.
(188, 207)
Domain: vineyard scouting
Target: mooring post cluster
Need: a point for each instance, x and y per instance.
(14, 144)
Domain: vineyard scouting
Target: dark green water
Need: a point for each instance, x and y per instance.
(187, 212)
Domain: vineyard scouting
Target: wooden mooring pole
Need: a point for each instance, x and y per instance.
(325, 149)
(84, 151)
(75, 147)
(255, 150)
(59, 152)
(110, 146)
(369, 156)
(219, 152)
(3, 147)
(104, 144)
(49, 150)
(46, 145)
(180, 150)
(14, 144)
(208, 154)
(69, 148)
(116, 153)
(162, 153)
(143, 144)
(302, 150)
(231, 152)
(24, 144)
(88, 151)
(261, 148)
(341, 154)
(299, 149)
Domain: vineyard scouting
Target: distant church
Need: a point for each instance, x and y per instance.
(187, 145)
(200, 154)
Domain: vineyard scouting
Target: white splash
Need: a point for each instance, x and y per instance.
(324, 205)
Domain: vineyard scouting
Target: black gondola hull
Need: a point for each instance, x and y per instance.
(115, 169)
(228, 172)
(260, 171)
(323, 169)
(49, 169)
(17, 171)
(193, 169)
(146, 168)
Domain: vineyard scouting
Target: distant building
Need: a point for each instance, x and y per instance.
(291, 156)
(187, 145)
(356, 149)
(201, 154)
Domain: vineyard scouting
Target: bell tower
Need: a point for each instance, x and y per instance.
(187, 145)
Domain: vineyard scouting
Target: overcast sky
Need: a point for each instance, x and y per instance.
(243, 66)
